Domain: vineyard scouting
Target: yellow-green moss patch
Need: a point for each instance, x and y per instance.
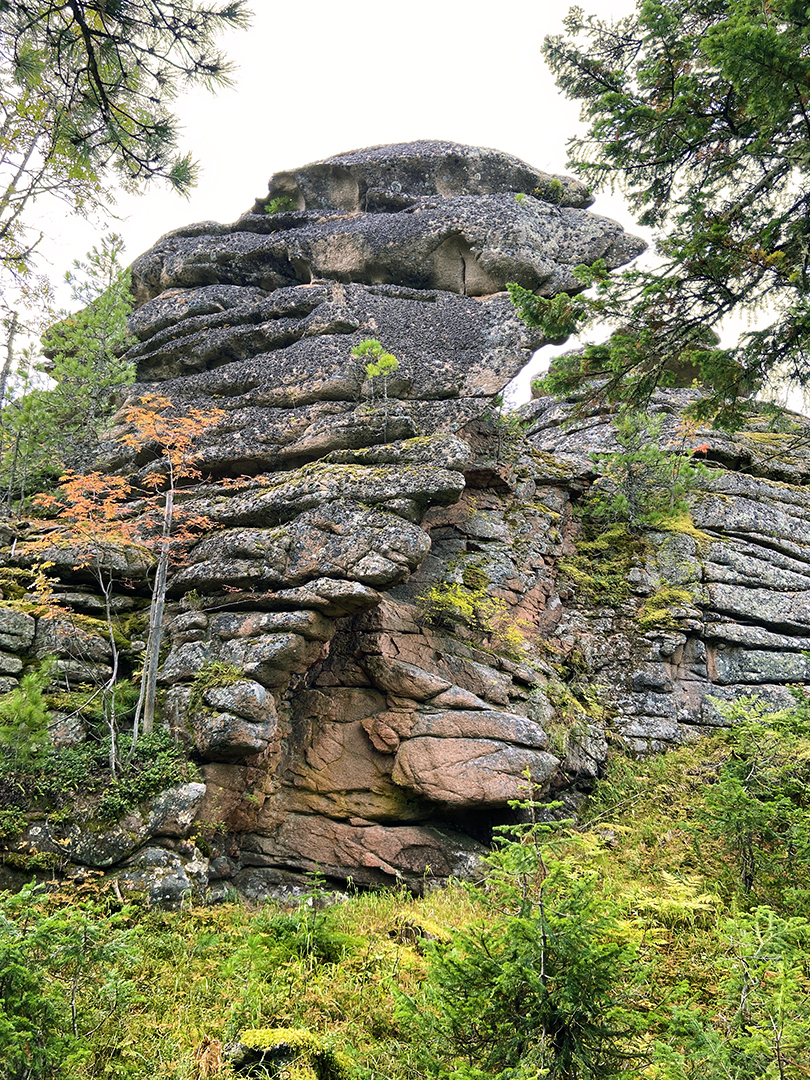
(657, 610)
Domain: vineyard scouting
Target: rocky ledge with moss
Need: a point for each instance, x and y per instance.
(393, 626)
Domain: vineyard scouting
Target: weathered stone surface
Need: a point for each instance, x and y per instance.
(586, 751)
(341, 774)
(16, 629)
(170, 814)
(487, 724)
(389, 176)
(467, 772)
(745, 564)
(370, 854)
(64, 729)
(467, 244)
(10, 665)
(292, 348)
(165, 878)
(403, 679)
(234, 721)
(789, 612)
(744, 666)
(69, 561)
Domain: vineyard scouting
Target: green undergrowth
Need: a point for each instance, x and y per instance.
(74, 783)
(664, 936)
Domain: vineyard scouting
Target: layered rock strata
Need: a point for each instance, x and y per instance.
(742, 561)
(372, 749)
(400, 655)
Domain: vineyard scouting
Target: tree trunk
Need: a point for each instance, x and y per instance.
(146, 700)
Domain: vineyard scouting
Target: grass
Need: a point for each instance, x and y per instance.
(341, 970)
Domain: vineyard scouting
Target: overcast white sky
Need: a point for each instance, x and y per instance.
(323, 77)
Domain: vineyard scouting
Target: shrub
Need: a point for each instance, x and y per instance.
(642, 484)
(280, 204)
(759, 809)
(24, 718)
(547, 987)
(468, 603)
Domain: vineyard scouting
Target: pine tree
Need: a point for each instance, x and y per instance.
(44, 431)
(87, 88)
(547, 986)
(697, 111)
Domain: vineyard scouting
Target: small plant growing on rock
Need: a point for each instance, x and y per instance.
(211, 674)
(642, 484)
(280, 204)
(509, 426)
(380, 366)
(468, 603)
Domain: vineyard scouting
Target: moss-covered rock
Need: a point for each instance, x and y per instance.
(287, 1054)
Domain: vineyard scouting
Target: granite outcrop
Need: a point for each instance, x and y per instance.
(376, 648)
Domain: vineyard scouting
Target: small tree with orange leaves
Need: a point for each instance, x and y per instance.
(92, 508)
(160, 426)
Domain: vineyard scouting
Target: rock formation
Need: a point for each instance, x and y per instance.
(381, 582)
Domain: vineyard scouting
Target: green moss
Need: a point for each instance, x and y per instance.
(657, 609)
(684, 525)
(13, 583)
(553, 515)
(12, 822)
(295, 1053)
(447, 603)
(772, 438)
(550, 466)
(136, 623)
(39, 860)
(211, 674)
(93, 625)
(602, 562)
(88, 704)
(573, 694)
(468, 603)
(475, 577)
